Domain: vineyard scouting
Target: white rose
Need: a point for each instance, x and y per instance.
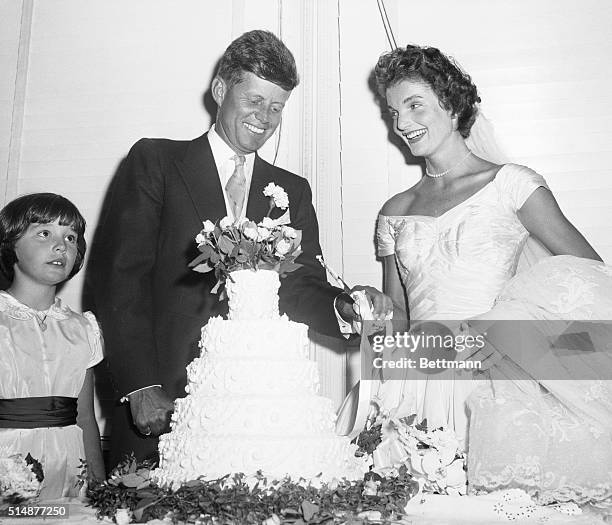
(200, 238)
(263, 233)
(209, 226)
(370, 487)
(282, 247)
(266, 222)
(251, 232)
(289, 232)
(225, 223)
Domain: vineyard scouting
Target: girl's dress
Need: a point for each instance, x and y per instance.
(546, 425)
(43, 356)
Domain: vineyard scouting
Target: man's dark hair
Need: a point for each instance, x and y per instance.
(261, 53)
(453, 87)
(43, 208)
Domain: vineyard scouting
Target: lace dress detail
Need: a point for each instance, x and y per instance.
(564, 425)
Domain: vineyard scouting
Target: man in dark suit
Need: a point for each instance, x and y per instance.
(150, 304)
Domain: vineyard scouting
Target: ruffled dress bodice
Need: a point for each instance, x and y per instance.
(455, 265)
(46, 354)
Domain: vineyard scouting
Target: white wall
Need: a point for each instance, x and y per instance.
(10, 109)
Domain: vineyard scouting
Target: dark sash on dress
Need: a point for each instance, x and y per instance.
(38, 412)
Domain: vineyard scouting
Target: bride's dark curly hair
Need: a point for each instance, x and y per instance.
(453, 87)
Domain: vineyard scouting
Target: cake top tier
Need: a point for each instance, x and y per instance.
(253, 294)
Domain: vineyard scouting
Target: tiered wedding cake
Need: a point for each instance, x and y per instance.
(252, 401)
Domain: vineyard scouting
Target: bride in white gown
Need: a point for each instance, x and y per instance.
(451, 245)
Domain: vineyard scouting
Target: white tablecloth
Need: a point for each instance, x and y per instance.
(508, 506)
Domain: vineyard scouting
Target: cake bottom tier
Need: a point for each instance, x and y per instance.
(315, 459)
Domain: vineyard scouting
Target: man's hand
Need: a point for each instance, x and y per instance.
(381, 304)
(151, 410)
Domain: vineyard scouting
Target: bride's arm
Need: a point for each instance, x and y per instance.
(543, 219)
(394, 288)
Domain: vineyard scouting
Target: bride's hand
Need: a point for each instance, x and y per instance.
(381, 304)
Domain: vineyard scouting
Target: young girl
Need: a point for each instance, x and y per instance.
(47, 351)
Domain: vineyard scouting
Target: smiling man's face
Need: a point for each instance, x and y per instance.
(249, 111)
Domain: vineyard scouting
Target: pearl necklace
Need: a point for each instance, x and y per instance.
(446, 172)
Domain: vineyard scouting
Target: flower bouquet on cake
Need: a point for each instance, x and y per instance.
(227, 246)
(20, 479)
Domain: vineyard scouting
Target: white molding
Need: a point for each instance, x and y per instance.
(310, 145)
(10, 183)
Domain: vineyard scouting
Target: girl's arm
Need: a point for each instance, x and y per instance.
(86, 420)
(543, 218)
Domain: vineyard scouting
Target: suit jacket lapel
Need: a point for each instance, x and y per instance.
(199, 173)
(258, 203)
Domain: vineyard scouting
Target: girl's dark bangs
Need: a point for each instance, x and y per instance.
(56, 209)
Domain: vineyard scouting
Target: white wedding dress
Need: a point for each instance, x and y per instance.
(553, 439)
(453, 268)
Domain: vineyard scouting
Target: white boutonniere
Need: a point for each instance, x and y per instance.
(278, 199)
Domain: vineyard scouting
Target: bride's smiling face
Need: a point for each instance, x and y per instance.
(418, 117)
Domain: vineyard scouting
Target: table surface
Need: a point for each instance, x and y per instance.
(502, 507)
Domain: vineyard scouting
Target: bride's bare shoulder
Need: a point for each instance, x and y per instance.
(399, 204)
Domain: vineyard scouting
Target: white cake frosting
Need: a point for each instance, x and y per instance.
(252, 400)
(252, 295)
